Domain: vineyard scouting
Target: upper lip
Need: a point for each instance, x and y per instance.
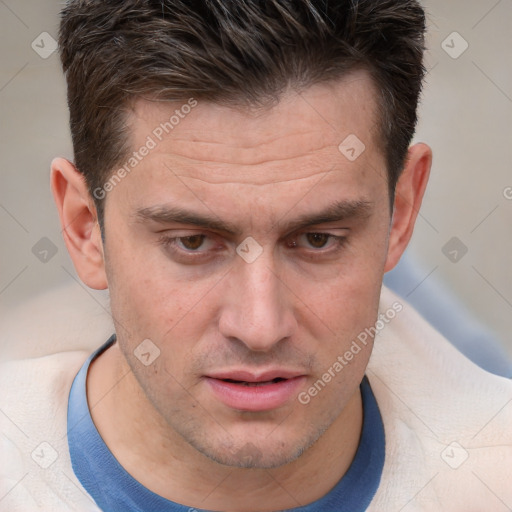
(247, 376)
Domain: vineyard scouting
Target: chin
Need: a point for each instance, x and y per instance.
(263, 454)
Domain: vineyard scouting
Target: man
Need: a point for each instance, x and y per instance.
(242, 181)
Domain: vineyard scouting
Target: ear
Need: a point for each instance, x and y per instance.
(78, 219)
(408, 197)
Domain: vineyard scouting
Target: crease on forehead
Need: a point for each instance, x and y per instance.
(217, 179)
(269, 157)
(272, 172)
(356, 87)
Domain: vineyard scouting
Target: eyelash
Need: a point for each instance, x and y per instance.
(171, 244)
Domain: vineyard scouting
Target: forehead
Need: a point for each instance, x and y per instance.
(290, 140)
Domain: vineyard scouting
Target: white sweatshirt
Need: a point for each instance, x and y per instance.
(448, 427)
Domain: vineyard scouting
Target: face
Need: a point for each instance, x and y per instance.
(249, 249)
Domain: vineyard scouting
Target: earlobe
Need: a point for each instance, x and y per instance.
(409, 194)
(79, 223)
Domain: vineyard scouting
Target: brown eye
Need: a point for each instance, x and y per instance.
(193, 242)
(318, 240)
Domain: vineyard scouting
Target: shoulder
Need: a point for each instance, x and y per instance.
(448, 423)
(28, 380)
(49, 362)
(36, 471)
(35, 391)
(413, 359)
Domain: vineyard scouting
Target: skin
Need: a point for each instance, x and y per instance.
(297, 306)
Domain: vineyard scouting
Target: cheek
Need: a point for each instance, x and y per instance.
(146, 290)
(348, 311)
(150, 300)
(349, 298)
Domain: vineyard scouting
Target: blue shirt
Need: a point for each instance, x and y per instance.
(115, 490)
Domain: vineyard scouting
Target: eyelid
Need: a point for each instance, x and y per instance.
(170, 242)
(333, 232)
(168, 239)
(198, 231)
(336, 241)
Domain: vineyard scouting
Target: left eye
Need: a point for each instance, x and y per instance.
(192, 243)
(317, 240)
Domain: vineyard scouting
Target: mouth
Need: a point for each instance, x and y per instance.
(254, 384)
(243, 391)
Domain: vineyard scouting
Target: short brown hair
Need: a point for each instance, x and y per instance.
(234, 52)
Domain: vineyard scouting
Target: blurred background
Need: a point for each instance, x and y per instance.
(463, 237)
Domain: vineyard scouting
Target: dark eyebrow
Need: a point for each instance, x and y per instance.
(171, 214)
(338, 211)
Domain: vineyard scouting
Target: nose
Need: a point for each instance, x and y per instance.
(257, 307)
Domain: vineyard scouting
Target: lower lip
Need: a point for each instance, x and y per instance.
(255, 398)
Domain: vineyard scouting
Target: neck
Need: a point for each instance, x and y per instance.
(168, 466)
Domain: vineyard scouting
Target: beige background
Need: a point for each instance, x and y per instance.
(466, 116)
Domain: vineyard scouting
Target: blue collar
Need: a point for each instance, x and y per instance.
(115, 490)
